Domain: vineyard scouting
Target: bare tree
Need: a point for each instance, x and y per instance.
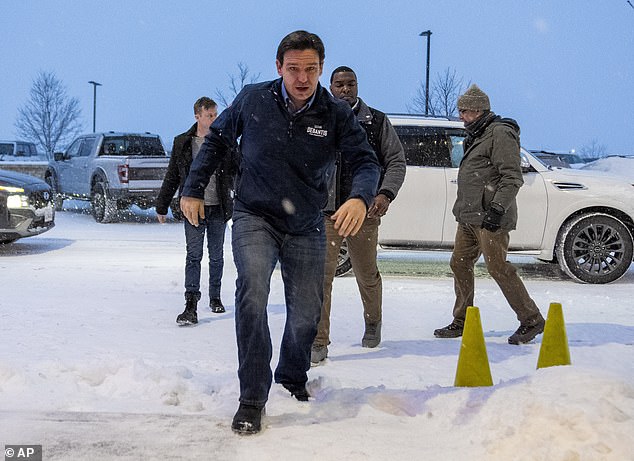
(236, 83)
(445, 89)
(50, 118)
(593, 150)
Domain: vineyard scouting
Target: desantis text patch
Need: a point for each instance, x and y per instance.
(317, 131)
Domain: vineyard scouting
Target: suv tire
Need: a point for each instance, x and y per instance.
(595, 248)
(344, 265)
(104, 208)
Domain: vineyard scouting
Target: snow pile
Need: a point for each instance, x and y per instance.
(619, 166)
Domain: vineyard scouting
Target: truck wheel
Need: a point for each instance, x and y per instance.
(104, 208)
(122, 205)
(595, 248)
(344, 265)
(58, 200)
(176, 209)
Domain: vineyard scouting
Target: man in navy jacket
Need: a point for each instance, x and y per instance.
(289, 130)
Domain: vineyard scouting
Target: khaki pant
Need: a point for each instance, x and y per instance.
(470, 243)
(362, 251)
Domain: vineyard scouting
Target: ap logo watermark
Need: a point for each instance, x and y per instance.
(23, 452)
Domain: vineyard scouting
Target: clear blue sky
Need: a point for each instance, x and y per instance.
(564, 69)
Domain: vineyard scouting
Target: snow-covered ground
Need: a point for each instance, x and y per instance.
(93, 366)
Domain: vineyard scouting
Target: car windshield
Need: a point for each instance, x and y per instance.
(132, 145)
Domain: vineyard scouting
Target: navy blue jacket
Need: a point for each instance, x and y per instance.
(285, 160)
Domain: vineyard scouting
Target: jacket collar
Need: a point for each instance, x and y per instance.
(316, 100)
(364, 115)
(192, 131)
(187, 145)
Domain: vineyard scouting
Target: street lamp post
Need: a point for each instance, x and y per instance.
(427, 34)
(94, 103)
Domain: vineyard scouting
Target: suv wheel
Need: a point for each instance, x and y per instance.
(344, 265)
(58, 200)
(104, 208)
(595, 248)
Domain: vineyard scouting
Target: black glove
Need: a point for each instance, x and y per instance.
(493, 217)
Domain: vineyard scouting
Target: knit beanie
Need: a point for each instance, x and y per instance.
(474, 99)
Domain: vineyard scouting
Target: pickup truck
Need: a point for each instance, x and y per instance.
(112, 170)
(23, 157)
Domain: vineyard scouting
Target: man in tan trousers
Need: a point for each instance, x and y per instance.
(362, 246)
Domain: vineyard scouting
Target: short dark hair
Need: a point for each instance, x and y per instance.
(301, 40)
(204, 103)
(341, 69)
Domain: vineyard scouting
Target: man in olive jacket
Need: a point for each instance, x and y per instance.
(489, 179)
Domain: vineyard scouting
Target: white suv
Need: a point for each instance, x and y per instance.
(584, 220)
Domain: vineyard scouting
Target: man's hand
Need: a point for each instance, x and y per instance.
(379, 207)
(349, 217)
(493, 217)
(192, 208)
(161, 218)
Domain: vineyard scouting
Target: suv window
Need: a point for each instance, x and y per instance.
(132, 145)
(431, 146)
(456, 143)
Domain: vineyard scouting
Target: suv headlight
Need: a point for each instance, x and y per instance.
(15, 199)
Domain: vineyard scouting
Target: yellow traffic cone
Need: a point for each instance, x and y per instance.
(554, 349)
(473, 363)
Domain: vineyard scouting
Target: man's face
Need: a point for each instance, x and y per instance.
(206, 117)
(301, 71)
(344, 86)
(468, 115)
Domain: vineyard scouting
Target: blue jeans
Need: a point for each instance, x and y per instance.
(257, 247)
(214, 224)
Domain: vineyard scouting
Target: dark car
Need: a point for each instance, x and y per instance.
(559, 159)
(26, 206)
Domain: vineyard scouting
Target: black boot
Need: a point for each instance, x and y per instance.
(189, 315)
(298, 391)
(453, 330)
(247, 420)
(372, 335)
(216, 306)
(526, 333)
